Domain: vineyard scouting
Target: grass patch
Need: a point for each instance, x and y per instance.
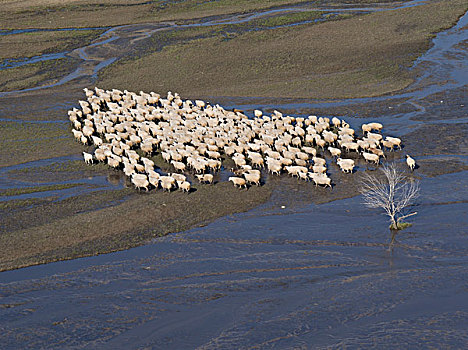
(61, 171)
(21, 203)
(364, 55)
(56, 14)
(287, 19)
(35, 189)
(400, 226)
(23, 142)
(100, 223)
(35, 74)
(37, 43)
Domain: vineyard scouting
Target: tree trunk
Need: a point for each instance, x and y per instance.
(394, 224)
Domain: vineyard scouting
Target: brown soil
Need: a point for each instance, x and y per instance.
(77, 227)
(363, 55)
(436, 167)
(24, 142)
(93, 13)
(437, 139)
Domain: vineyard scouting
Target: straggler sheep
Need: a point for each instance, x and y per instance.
(411, 162)
(88, 158)
(238, 181)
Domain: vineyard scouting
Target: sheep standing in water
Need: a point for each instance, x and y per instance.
(410, 162)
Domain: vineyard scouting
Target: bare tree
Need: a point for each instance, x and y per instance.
(394, 192)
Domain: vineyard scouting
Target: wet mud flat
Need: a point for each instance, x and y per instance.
(314, 273)
(270, 277)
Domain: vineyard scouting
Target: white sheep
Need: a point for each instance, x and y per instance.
(238, 181)
(194, 136)
(319, 161)
(88, 158)
(319, 169)
(185, 186)
(252, 178)
(371, 157)
(205, 178)
(346, 165)
(167, 182)
(411, 162)
(320, 179)
(178, 165)
(394, 140)
(140, 181)
(335, 152)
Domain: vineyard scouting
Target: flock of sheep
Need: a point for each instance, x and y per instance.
(193, 136)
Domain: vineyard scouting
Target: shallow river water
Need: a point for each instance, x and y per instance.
(302, 276)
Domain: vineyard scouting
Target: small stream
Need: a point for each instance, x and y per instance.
(119, 40)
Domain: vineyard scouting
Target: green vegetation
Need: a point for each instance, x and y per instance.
(20, 203)
(286, 19)
(38, 43)
(364, 55)
(61, 171)
(400, 225)
(35, 189)
(35, 74)
(21, 142)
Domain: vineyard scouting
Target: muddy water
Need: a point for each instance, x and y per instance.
(306, 276)
(270, 278)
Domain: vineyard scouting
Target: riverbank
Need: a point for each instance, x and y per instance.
(72, 210)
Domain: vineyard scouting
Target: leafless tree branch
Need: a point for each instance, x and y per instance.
(393, 192)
